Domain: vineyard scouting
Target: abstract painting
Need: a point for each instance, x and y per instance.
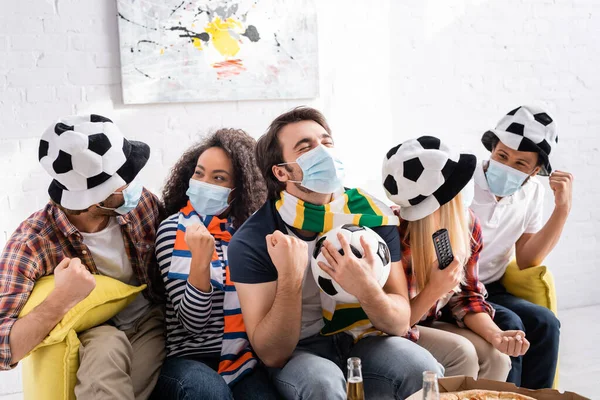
(217, 50)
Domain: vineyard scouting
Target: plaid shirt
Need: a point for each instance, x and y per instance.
(471, 298)
(47, 236)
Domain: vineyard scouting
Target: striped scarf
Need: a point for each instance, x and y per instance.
(352, 206)
(237, 359)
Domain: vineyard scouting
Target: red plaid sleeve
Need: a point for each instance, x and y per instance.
(471, 298)
(144, 222)
(17, 277)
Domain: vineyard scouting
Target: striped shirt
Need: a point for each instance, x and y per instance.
(194, 318)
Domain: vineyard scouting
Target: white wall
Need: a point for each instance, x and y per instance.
(61, 57)
(458, 66)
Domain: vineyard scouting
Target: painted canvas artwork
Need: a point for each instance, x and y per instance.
(203, 50)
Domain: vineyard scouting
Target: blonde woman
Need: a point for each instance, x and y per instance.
(449, 314)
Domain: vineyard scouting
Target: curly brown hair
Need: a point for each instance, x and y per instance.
(250, 189)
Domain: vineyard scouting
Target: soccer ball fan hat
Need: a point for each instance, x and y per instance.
(88, 159)
(421, 175)
(526, 128)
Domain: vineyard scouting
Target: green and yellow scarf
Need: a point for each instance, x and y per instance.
(352, 206)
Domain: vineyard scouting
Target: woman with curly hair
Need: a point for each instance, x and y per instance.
(213, 188)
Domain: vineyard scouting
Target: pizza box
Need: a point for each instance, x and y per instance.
(458, 383)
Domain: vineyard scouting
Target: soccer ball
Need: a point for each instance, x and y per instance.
(416, 172)
(352, 234)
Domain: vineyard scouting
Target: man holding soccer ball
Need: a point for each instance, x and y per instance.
(299, 333)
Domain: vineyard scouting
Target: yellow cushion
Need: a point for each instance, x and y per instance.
(49, 371)
(534, 284)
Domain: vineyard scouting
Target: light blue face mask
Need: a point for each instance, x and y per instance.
(322, 171)
(504, 180)
(131, 194)
(208, 199)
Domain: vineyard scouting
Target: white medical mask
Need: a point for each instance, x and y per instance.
(131, 194)
(208, 199)
(322, 171)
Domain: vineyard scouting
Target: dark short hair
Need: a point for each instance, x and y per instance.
(268, 147)
(250, 190)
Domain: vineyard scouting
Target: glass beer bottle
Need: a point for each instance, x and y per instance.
(354, 385)
(431, 390)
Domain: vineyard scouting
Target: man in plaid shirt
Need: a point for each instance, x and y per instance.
(97, 222)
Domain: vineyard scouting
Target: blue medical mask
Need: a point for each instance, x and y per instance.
(322, 171)
(131, 194)
(208, 199)
(504, 180)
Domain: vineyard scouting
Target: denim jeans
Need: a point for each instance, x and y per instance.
(190, 379)
(392, 367)
(536, 369)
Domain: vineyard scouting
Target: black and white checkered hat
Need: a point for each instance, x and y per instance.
(89, 159)
(421, 175)
(526, 128)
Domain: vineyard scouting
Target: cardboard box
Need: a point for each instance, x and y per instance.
(459, 383)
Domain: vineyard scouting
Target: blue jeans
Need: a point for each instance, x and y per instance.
(184, 378)
(536, 369)
(392, 367)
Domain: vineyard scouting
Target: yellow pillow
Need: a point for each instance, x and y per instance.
(49, 371)
(534, 284)
(108, 298)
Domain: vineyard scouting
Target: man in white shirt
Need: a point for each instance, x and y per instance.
(508, 201)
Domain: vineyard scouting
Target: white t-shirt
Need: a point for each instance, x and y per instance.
(108, 251)
(504, 222)
(312, 316)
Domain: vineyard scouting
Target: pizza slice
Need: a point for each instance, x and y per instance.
(479, 394)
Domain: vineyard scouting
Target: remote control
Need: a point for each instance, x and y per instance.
(441, 242)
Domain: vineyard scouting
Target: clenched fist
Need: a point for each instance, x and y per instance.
(512, 343)
(289, 255)
(72, 282)
(199, 240)
(561, 184)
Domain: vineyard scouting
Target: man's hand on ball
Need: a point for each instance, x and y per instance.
(355, 275)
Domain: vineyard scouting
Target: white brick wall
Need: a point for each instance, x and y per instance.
(458, 66)
(389, 70)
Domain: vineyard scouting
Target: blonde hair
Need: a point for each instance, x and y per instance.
(452, 217)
